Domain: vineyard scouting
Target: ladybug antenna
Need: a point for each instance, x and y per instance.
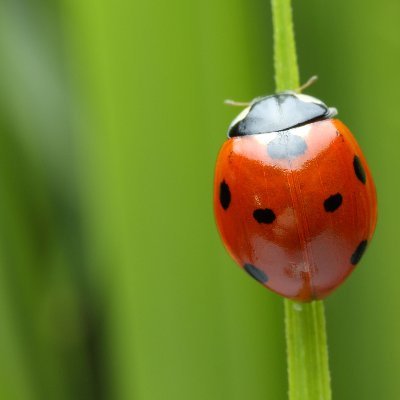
(310, 82)
(236, 103)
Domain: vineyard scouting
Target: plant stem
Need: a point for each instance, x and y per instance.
(285, 58)
(306, 341)
(307, 353)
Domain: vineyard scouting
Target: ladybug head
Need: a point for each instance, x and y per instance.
(279, 112)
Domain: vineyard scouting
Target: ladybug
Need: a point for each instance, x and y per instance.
(294, 199)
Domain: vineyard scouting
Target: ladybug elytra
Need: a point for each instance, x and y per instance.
(294, 199)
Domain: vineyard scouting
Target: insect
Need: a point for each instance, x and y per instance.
(294, 199)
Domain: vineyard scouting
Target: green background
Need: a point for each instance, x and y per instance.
(114, 283)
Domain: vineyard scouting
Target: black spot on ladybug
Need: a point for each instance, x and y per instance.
(224, 195)
(256, 273)
(359, 169)
(264, 216)
(356, 257)
(286, 146)
(332, 203)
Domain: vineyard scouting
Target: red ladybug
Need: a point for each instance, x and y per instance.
(294, 198)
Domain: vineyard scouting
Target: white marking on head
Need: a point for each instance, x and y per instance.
(240, 117)
(309, 99)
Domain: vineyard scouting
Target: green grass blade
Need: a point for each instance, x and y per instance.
(180, 324)
(307, 353)
(285, 58)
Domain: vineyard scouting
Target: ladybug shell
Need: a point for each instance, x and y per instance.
(296, 208)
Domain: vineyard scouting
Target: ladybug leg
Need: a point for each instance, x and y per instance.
(237, 103)
(306, 85)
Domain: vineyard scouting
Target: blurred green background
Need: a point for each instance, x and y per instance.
(113, 281)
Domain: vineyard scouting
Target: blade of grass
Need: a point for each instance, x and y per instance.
(183, 327)
(285, 58)
(307, 353)
(43, 308)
